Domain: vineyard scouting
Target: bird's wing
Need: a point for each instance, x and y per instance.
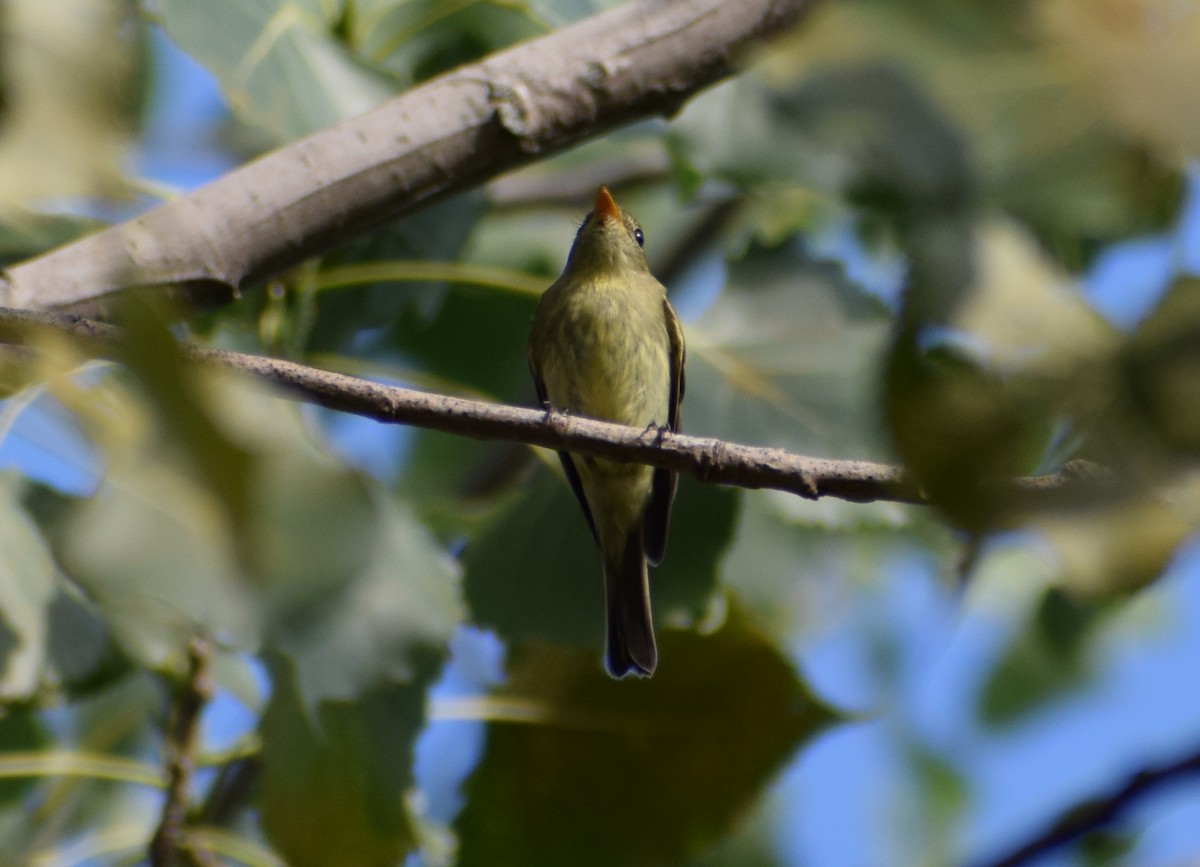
(662, 491)
(568, 463)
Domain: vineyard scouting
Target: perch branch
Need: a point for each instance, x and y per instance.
(710, 460)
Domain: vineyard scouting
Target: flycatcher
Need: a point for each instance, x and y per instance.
(606, 344)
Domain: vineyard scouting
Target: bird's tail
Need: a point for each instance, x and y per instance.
(630, 646)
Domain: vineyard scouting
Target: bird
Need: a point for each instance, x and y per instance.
(606, 344)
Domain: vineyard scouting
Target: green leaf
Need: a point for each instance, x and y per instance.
(1045, 661)
(28, 581)
(437, 233)
(381, 627)
(321, 561)
(280, 68)
(596, 771)
(703, 520)
(535, 571)
(154, 551)
(786, 357)
(334, 777)
(20, 732)
(1162, 367)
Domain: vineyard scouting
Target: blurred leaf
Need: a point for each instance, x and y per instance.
(278, 64)
(1116, 548)
(34, 233)
(620, 772)
(28, 580)
(958, 426)
(734, 133)
(334, 779)
(1162, 367)
(155, 553)
(174, 388)
(1140, 60)
(322, 562)
(798, 569)
(1038, 138)
(77, 653)
(1045, 661)
(1024, 312)
(786, 357)
(69, 69)
(944, 797)
(753, 840)
(78, 646)
(906, 158)
(978, 404)
(535, 571)
(380, 627)
(1107, 847)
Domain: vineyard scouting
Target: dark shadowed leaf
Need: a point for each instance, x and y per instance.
(597, 771)
(418, 39)
(1162, 367)
(369, 314)
(20, 731)
(334, 777)
(535, 572)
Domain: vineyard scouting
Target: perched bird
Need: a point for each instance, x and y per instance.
(606, 344)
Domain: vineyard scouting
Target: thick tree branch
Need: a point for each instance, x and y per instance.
(642, 59)
(709, 460)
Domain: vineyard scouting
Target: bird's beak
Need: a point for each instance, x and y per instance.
(606, 206)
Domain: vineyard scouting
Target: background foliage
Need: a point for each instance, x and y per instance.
(953, 234)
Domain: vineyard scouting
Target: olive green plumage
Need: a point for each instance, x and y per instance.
(606, 344)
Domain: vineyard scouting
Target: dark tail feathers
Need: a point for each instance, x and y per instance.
(630, 646)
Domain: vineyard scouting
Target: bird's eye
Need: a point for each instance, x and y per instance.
(639, 237)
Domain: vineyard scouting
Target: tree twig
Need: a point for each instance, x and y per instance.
(641, 59)
(707, 459)
(1098, 812)
(169, 847)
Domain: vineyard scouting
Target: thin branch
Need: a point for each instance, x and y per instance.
(1098, 812)
(450, 134)
(169, 846)
(707, 459)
